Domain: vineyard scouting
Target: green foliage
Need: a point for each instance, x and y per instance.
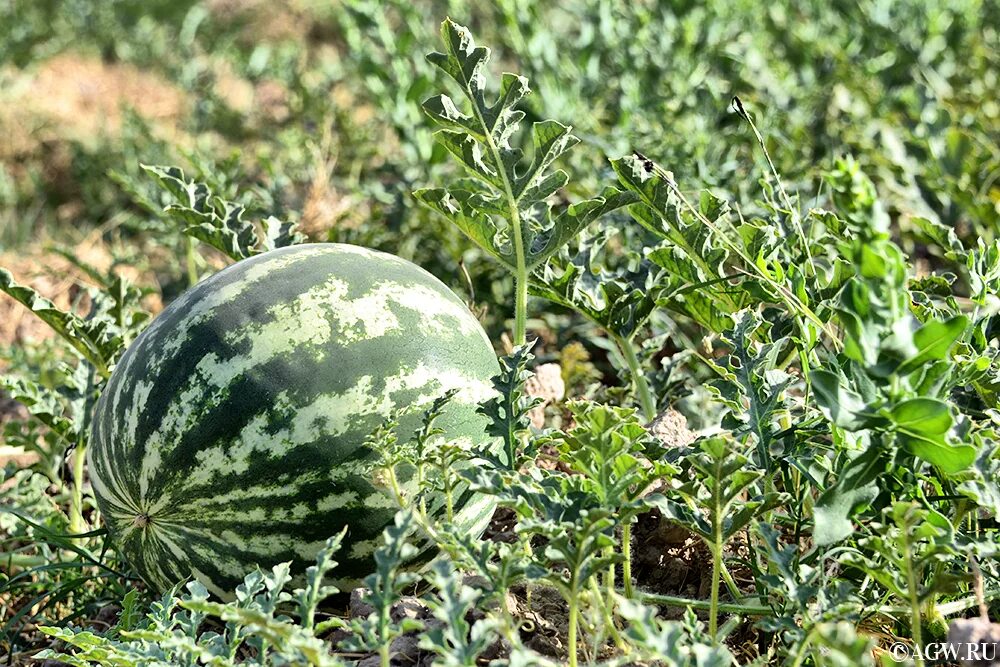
(508, 410)
(716, 503)
(504, 206)
(455, 641)
(219, 222)
(620, 301)
(173, 630)
(382, 589)
(816, 290)
(752, 386)
(480, 140)
(98, 340)
(674, 643)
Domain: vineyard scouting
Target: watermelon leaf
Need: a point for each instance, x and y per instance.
(505, 206)
(508, 411)
(219, 222)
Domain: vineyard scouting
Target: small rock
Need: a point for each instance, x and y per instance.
(408, 607)
(546, 384)
(358, 607)
(105, 618)
(676, 572)
(670, 428)
(475, 581)
(405, 649)
(498, 650)
(336, 636)
(976, 637)
(668, 534)
(546, 645)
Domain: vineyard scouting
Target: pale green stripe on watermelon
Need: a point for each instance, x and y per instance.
(238, 417)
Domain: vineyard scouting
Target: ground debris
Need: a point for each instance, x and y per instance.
(671, 429)
(978, 634)
(546, 384)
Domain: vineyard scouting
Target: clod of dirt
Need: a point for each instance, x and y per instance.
(498, 650)
(409, 607)
(105, 618)
(546, 384)
(502, 526)
(11, 409)
(670, 428)
(975, 633)
(336, 636)
(546, 619)
(358, 607)
(404, 651)
(666, 558)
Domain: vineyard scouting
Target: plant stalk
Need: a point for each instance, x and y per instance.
(192, 265)
(76, 522)
(638, 377)
(573, 621)
(520, 262)
(713, 613)
(676, 601)
(520, 299)
(916, 631)
(757, 609)
(627, 554)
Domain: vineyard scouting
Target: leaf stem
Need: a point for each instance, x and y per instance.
(790, 298)
(520, 299)
(76, 523)
(627, 554)
(638, 377)
(677, 601)
(517, 238)
(753, 607)
(792, 211)
(718, 540)
(572, 622)
(913, 593)
(713, 612)
(192, 266)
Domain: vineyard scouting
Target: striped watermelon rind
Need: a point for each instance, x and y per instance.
(231, 434)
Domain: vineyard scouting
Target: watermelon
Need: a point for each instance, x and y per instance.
(232, 433)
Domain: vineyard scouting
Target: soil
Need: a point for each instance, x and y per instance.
(79, 97)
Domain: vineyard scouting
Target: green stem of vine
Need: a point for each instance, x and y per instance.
(758, 609)
(678, 602)
(572, 622)
(192, 265)
(521, 302)
(638, 377)
(520, 262)
(627, 554)
(76, 523)
(713, 612)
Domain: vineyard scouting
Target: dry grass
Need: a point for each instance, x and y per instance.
(268, 20)
(57, 279)
(72, 96)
